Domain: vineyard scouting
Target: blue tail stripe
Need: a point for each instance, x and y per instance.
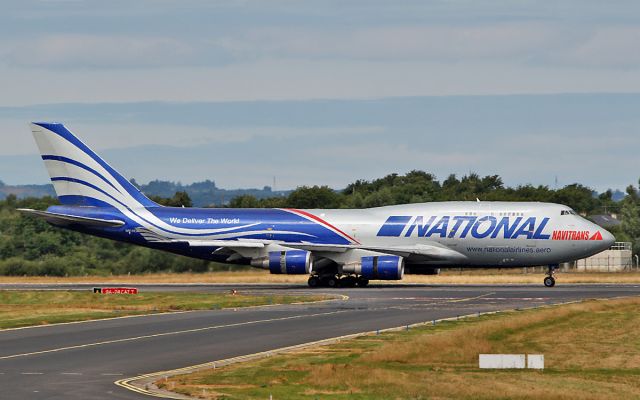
(63, 132)
(75, 200)
(81, 182)
(85, 183)
(81, 165)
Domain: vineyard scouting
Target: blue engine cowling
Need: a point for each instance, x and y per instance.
(382, 267)
(290, 262)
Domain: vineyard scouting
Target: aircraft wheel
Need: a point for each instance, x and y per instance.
(549, 281)
(313, 282)
(362, 282)
(332, 282)
(348, 281)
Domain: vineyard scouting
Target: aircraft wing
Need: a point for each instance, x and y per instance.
(229, 244)
(244, 247)
(422, 251)
(65, 220)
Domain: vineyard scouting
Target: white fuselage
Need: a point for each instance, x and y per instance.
(484, 233)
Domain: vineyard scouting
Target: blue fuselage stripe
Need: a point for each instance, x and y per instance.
(279, 225)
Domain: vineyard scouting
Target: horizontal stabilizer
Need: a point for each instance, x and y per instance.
(64, 219)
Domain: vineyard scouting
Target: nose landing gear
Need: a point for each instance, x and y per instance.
(550, 280)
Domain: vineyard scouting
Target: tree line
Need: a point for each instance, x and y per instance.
(29, 246)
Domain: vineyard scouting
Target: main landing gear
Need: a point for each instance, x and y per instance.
(550, 280)
(334, 281)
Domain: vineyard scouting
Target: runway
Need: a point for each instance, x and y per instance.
(82, 360)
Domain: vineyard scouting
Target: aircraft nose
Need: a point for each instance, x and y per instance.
(608, 238)
(602, 239)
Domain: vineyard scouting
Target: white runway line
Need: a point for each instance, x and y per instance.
(131, 339)
(160, 314)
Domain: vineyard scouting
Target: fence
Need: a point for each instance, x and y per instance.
(617, 258)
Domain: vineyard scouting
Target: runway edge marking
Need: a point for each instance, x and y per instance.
(337, 297)
(142, 383)
(171, 333)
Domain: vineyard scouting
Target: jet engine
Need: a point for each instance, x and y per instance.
(377, 267)
(422, 270)
(286, 262)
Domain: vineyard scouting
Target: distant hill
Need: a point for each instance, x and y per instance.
(23, 191)
(618, 195)
(205, 193)
(202, 194)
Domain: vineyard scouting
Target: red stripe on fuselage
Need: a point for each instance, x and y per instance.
(318, 219)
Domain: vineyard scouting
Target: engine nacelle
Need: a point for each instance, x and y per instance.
(378, 267)
(421, 270)
(286, 262)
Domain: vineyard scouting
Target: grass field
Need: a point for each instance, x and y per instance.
(258, 276)
(591, 349)
(27, 308)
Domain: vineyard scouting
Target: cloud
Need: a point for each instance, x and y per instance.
(112, 136)
(302, 79)
(536, 43)
(250, 50)
(617, 46)
(91, 51)
(590, 139)
(418, 42)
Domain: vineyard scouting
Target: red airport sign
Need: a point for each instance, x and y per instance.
(115, 290)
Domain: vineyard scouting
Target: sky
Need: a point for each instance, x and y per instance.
(327, 92)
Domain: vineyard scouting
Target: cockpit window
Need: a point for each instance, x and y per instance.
(567, 212)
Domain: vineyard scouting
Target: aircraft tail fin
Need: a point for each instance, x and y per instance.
(80, 177)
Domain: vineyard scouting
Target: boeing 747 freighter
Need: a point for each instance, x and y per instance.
(334, 247)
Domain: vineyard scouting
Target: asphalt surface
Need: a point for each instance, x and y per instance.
(82, 360)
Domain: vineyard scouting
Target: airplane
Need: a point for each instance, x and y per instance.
(335, 247)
